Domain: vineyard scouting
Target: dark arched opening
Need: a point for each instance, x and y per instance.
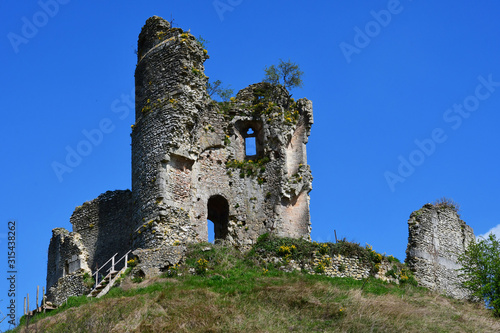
(218, 213)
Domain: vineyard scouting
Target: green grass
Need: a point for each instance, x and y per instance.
(237, 294)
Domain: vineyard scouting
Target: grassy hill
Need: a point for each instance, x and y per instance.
(219, 289)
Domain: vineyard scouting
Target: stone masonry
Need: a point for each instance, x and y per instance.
(237, 167)
(66, 265)
(193, 168)
(101, 228)
(190, 160)
(437, 236)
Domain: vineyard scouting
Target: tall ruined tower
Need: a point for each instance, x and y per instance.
(170, 97)
(191, 156)
(241, 165)
(437, 236)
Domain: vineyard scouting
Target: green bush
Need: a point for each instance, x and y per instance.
(481, 270)
(88, 280)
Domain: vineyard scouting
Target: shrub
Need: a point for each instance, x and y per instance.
(297, 249)
(172, 271)
(132, 263)
(481, 270)
(137, 279)
(201, 266)
(406, 276)
(447, 203)
(88, 280)
(324, 248)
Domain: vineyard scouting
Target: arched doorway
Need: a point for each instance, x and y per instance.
(218, 213)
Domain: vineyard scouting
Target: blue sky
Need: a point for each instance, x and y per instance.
(405, 94)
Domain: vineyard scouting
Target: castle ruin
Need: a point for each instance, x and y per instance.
(237, 167)
(240, 164)
(437, 236)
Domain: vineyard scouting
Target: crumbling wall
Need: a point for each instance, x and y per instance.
(153, 262)
(437, 236)
(105, 225)
(67, 262)
(101, 228)
(68, 286)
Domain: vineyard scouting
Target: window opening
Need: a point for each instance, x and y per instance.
(250, 147)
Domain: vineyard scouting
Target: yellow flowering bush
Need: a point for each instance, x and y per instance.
(323, 248)
(172, 271)
(285, 250)
(132, 263)
(201, 266)
(320, 268)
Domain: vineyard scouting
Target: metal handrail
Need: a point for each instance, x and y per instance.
(124, 256)
(112, 268)
(102, 266)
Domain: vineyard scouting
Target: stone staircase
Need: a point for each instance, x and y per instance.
(104, 285)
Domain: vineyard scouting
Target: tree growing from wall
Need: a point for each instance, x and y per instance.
(481, 270)
(285, 75)
(216, 88)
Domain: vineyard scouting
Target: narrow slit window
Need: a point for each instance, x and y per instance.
(250, 147)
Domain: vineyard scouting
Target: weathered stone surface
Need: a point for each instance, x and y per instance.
(105, 225)
(191, 163)
(101, 228)
(190, 160)
(68, 286)
(152, 262)
(68, 261)
(437, 236)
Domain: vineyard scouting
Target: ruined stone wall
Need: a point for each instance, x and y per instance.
(437, 236)
(105, 225)
(189, 159)
(170, 94)
(101, 228)
(67, 259)
(68, 286)
(345, 266)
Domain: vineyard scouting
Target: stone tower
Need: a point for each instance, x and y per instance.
(191, 156)
(240, 164)
(437, 236)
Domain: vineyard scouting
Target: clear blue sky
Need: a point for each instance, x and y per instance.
(408, 85)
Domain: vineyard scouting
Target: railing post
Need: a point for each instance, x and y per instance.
(126, 260)
(112, 264)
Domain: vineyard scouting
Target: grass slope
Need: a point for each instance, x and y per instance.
(236, 293)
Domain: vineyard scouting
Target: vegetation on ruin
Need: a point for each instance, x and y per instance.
(249, 168)
(447, 203)
(216, 88)
(283, 77)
